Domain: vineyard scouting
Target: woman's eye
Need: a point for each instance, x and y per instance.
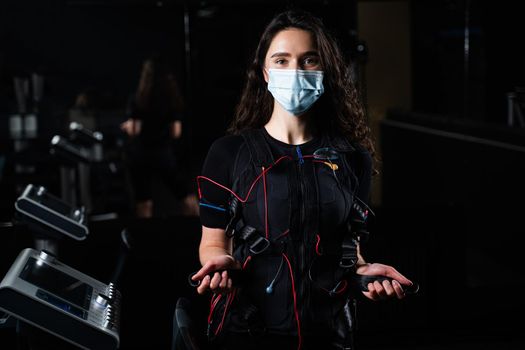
(280, 61)
(311, 61)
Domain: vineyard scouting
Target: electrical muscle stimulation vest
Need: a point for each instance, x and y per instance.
(296, 276)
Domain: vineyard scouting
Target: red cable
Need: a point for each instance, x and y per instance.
(200, 177)
(213, 305)
(282, 234)
(246, 261)
(294, 302)
(231, 296)
(317, 245)
(228, 301)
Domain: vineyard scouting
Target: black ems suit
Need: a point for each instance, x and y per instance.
(295, 216)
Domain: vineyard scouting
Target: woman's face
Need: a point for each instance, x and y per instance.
(292, 49)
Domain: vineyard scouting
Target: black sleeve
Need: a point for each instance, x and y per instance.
(218, 167)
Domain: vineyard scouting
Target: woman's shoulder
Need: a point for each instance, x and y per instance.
(228, 142)
(342, 143)
(221, 158)
(361, 159)
(357, 154)
(226, 146)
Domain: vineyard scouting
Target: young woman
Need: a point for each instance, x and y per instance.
(283, 200)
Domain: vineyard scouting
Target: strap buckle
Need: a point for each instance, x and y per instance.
(259, 245)
(347, 262)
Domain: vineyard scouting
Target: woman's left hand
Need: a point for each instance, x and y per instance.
(386, 289)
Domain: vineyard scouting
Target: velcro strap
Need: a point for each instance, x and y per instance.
(349, 253)
(234, 210)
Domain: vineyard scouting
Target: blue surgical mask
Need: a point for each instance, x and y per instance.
(295, 90)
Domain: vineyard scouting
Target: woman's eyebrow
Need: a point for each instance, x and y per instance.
(280, 54)
(286, 54)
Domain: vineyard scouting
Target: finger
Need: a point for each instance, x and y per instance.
(394, 274)
(371, 294)
(204, 285)
(204, 271)
(224, 280)
(199, 275)
(227, 289)
(400, 293)
(214, 284)
(379, 289)
(389, 289)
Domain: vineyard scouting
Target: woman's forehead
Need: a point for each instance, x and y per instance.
(292, 40)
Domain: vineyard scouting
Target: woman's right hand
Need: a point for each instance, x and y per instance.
(220, 282)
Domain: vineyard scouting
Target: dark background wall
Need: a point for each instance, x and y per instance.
(467, 82)
(449, 213)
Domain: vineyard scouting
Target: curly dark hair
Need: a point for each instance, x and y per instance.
(340, 105)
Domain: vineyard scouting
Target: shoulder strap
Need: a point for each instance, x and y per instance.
(260, 155)
(260, 152)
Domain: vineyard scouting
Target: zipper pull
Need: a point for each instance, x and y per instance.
(299, 154)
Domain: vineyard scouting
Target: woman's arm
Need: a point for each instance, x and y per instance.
(215, 254)
(376, 290)
(176, 129)
(213, 243)
(215, 250)
(132, 127)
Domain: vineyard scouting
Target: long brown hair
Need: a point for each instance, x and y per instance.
(158, 88)
(339, 106)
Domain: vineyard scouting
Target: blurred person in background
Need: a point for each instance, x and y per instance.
(154, 127)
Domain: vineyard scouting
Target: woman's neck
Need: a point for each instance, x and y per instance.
(287, 128)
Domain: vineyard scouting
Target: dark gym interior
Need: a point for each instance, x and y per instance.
(443, 84)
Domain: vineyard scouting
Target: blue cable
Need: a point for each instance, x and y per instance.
(211, 206)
